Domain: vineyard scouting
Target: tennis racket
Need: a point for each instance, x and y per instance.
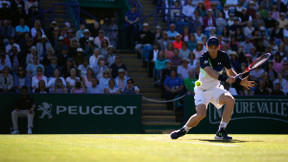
(255, 64)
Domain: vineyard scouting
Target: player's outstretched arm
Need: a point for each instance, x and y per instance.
(246, 83)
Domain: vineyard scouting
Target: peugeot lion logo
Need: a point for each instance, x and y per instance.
(46, 110)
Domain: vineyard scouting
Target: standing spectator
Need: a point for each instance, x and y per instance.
(189, 82)
(41, 87)
(130, 88)
(131, 18)
(52, 80)
(43, 46)
(37, 78)
(116, 66)
(173, 86)
(113, 36)
(6, 80)
(58, 87)
(98, 40)
(25, 107)
(95, 88)
(21, 79)
(145, 39)
(31, 68)
(111, 89)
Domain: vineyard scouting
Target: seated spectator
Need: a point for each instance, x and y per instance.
(87, 79)
(68, 66)
(29, 57)
(230, 89)
(111, 89)
(50, 30)
(198, 51)
(41, 87)
(4, 61)
(144, 39)
(176, 60)
(261, 89)
(191, 44)
(256, 74)
(43, 46)
(209, 21)
(31, 68)
(62, 59)
(22, 28)
(78, 88)
(184, 51)
(121, 79)
(93, 60)
(186, 34)
(36, 78)
(173, 86)
(285, 71)
(158, 33)
(37, 27)
(83, 67)
(95, 88)
(58, 47)
(277, 90)
(220, 23)
(25, 106)
(85, 39)
(17, 59)
(104, 49)
(116, 66)
(169, 51)
(73, 48)
(235, 62)
(52, 80)
(6, 80)
(278, 63)
(100, 68)
(163, 41)
(110, 59)
(58, 87)
(54, 39)
(51, 68)
(183, 69)
(21, 79)
(164, 74)
(78, 58)
(98, 40)
(188, 9)
(267, 81)
(7, 31)
(71, 80)
(189, 82)
(103, 82)
(79, 33)
(177, 44)
(11, 44)
(130, 88)
(192, 61)
(283, 83)
(69, 38)
(30, 3)
(172, 32)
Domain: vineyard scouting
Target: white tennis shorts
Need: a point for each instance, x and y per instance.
(205, 96)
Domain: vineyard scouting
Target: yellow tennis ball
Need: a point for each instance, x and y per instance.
(198, 83)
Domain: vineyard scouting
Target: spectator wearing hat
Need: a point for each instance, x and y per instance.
(66, 27)
(209, 21)
(43, 46)
(131, 19)
(18, 4)
(98, 40)
(32, 12)
(5, 11)
(183, 69)
(37, 27)
(130, 88)
(51, 68)
(113, 36)
(117, 65)
(69, 37)
(110, 59)
(78, 58)
(177, 44)
(121, 79)
(79, 33)
(19, 13)
(60, 46)
(85, 39)
(7, 31)
(145, 39)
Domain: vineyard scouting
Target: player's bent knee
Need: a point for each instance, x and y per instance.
(229, 100)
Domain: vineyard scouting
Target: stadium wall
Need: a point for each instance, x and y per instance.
(251, 115)
(77, 113)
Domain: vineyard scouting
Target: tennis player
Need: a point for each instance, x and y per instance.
(212, 64)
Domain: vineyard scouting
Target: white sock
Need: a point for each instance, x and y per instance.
(222, 125)
(186, 128)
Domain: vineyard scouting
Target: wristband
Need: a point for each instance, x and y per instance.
(222, 78)
(238, 80)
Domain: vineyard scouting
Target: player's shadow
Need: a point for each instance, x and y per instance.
(225, 141)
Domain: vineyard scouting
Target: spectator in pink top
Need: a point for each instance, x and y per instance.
(278, 63)
(169, 52)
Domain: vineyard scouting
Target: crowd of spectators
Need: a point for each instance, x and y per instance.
(246, 29)
(58, 59)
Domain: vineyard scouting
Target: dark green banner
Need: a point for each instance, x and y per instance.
(79, 113)
(252, 114)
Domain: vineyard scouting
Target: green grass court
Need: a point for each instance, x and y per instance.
(99, 147)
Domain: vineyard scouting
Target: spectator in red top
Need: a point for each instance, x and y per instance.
(207, 4)
(177, 44)
(69, 37)
(209, 21)
(251, 11)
